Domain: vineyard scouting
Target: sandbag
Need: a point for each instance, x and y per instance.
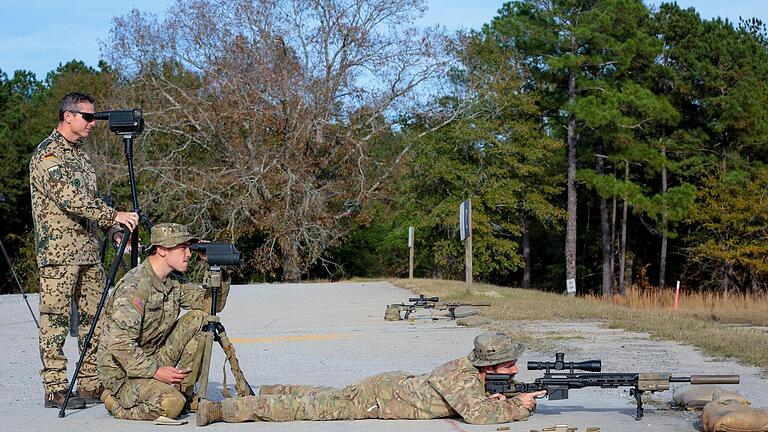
(472, 321)
(694, 397)
(465, 311)
(733, 417)
(392, 313)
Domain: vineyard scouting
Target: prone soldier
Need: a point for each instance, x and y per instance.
(456, 388)
(67, 215)
(145, 353)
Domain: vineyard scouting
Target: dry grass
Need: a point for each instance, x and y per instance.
(702, 320)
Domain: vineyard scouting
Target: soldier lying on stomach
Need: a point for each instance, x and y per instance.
(456, 388)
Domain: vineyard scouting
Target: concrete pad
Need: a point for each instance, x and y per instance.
(334, 334)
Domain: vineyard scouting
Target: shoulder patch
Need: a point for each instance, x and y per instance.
(55, 172)
(49, 156)
(138, 304)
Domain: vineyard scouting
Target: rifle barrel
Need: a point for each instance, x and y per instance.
(708, 379)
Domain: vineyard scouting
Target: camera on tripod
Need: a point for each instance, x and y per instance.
(219, 254)
(123, 122)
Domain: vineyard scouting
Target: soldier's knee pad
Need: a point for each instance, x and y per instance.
(172, 403)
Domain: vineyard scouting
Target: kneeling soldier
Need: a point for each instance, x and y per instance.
(455, 389)
(145, 353)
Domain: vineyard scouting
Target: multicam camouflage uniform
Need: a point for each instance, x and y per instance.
(141, 334)
(67, 215)
(456, 388)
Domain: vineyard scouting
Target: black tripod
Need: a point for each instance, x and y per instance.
(13, 272)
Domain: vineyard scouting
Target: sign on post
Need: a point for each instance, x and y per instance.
(464, 209)
(410, 250)
(465, 230)
(570, 286)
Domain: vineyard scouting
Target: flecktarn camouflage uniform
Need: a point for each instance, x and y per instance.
(67, 215)
(141, 334)
(456, 388)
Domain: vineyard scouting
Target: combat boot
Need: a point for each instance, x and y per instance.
(208, 412)
(56, 400)
(91, 396)
(109, 400)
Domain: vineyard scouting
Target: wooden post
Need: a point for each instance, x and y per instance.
(468, 244)
(410, 247)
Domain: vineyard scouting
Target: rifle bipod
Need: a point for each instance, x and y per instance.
(215, 331)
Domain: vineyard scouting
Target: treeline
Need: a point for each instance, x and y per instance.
(599, 141)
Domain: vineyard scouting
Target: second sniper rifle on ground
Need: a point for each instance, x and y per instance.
(423, 302)
(557, 384)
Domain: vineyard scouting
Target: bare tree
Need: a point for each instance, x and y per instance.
(274, 116)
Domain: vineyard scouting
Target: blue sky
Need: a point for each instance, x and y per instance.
(38, 35)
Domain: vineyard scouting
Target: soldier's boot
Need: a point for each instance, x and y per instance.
(208, 412)
(109, 401)
(91, 396)
(56, 400)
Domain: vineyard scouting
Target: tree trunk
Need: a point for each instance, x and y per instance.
(623, 256)
(726, 282)
(526, 251)
(628, 274)
(613, 235)
(290, 261)
(605, 229)
(663, 259)
(570, 232)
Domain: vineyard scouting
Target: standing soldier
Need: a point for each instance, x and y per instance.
(67, 214)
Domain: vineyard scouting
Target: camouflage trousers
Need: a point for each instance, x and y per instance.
(278, 403)
(148, 398)
(58, 286)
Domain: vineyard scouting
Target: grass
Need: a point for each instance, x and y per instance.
(702, 320)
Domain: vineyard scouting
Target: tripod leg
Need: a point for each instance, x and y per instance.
(18, 285)
(202, 369)
(89, 336)
(241, 384)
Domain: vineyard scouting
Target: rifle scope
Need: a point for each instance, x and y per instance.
(424, 299)
(561, 364)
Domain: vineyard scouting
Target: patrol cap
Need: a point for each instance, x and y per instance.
(169, 235)
(492, 348)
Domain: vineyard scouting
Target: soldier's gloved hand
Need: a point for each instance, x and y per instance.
(170, 375)
(129, 219)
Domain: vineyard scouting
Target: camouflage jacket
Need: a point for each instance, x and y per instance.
(65, 207)
(455, 388)
(139, 316)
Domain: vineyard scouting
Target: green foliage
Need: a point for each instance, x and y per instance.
(730, 243)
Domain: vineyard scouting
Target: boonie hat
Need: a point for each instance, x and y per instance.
(492, 348)
(169, 235)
